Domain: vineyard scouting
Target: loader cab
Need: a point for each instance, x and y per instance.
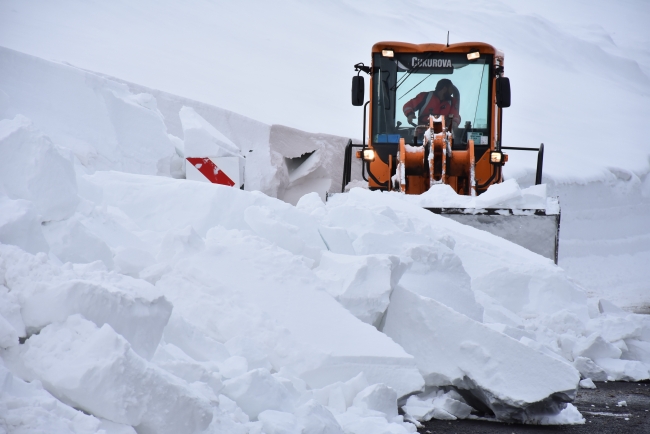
(407, 75)
(408, 81)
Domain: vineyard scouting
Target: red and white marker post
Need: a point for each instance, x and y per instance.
(217, 170)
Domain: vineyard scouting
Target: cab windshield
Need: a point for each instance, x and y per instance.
(409, 87)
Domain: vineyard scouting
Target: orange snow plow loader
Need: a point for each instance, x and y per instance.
(435, 117)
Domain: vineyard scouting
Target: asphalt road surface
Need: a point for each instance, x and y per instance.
(598, 406)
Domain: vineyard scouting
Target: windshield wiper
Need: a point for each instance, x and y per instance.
(406, 93)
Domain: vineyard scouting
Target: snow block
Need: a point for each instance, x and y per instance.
(339, 396)
(595, 347)
(202, 139)
(588, 369)
(299, 239)
(437, 272)
(257, 391)
(131, 261)
(378, 397)
(587, 383)
(10, 311)
(173, 360)
(28, 408)
(139, 318)
(193, 341)
(8, 334)
(513, 381)
(279, 422)
(528, 290)
(358, 421)
(437, 405)
(31, 168)
(337, 240)
(233, 367)
(637, 350)
(316, 419)
(71, 241)
(624, 370)
(21, 226)
(96, 370)
(250, 349)
(362, 284)
(310, 418)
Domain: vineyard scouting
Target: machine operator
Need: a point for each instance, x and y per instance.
(444, 100)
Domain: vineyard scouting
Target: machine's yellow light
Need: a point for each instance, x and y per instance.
(369, 155)
(388, 53)
(496, 157)
(474, 55)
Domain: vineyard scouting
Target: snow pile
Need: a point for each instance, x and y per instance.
(506, 195)
(157, 304)
(254, 291)
(605, 238)
(224, 306)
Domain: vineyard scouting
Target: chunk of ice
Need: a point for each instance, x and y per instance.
(378, 397)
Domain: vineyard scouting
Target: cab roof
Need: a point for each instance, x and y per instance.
(462, 47)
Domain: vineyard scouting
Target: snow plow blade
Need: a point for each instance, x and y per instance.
(535, 229)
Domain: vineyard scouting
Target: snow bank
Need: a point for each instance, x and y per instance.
(111, 124)
(605, 238)
(98, 120)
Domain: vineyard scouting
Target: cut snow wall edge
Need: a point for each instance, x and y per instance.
(287, 142)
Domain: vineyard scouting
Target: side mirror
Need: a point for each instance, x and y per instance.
(358, 91)
(503, 92)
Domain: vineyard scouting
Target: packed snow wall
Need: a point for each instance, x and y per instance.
(108, 123)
